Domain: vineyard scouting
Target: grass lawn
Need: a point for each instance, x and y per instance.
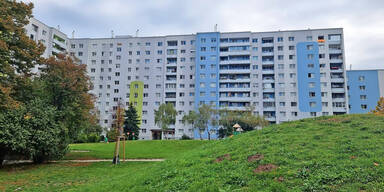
(336, 153)
(69, 176)
(134, 149)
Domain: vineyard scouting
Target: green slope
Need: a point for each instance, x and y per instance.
(343, 153)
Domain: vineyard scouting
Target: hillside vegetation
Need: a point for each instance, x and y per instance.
(338, 153)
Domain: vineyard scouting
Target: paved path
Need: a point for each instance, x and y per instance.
(6, 162)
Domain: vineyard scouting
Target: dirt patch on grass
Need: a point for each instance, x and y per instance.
(82, 164)
(255, 157)
(265, 168)
(222, 158)
(337, 120)
(280, 179)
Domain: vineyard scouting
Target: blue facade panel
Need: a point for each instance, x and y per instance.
(207, 64)
(308, 77)
(363, 90)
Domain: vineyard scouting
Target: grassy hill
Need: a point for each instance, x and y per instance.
(343, 153)
(338, 153)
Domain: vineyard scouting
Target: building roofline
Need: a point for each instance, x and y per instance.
(159, 36)
(365, 70)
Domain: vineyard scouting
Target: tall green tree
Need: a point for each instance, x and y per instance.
(165, 116)
(201, 120)
(131, 122)
(18, 54)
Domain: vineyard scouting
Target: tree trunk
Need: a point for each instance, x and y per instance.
(209, 135)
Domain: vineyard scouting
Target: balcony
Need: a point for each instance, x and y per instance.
(236, 99)
(268, 99)
(338, 90)
(247, 61)
(267, 53)
(337, 80)
(335, 51)
(268, 90)
(268, 80)
(234, 80)
(235, 71)
(228, 53)
(267, 44)
(268, 71)
(339, 109)
(234, 89)
(267, 62)
(339, 99)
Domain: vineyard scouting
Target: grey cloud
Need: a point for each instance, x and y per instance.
(362, 20)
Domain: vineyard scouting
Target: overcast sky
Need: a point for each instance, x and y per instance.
(362, 20)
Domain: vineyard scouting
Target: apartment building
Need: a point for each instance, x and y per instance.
(53, 39)
(282, 75)
(365, 87)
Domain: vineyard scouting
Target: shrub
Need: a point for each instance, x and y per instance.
(93, 138)
(33, 131)
(185, 137)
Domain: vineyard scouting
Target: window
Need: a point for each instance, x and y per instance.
(280, 39)
(254, 40)
(291, 47)
(309, 38)
(363, 97)
(202, 40)
(312, 94)
(311, 75)
(280, 57)
(363, 106)
(291, 38)
(312, 104)
(159, 44)
(361, 78)
(80, 53)
(311, 85)
(362, 87)
(280, 48)
(118, 49)
(213, 40)
(310, 56)
(309, 47)
(311, 65)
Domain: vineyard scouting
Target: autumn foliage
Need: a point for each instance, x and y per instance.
(379, 110)
(39, 115)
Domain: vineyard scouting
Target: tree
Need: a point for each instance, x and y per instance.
(379, 110)
(65, 85)
(131, 122)
(206, 116)
(165, 116)
(245, 119)
(18, 54)
(33, 132)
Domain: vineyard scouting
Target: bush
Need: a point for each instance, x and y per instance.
(93, 138)
(185, 137)
(33, 131)
(82, 138)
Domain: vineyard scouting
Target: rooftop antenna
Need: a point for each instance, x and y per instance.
(215, 28)
(112, 34)
(73, 34)
(137, 32)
